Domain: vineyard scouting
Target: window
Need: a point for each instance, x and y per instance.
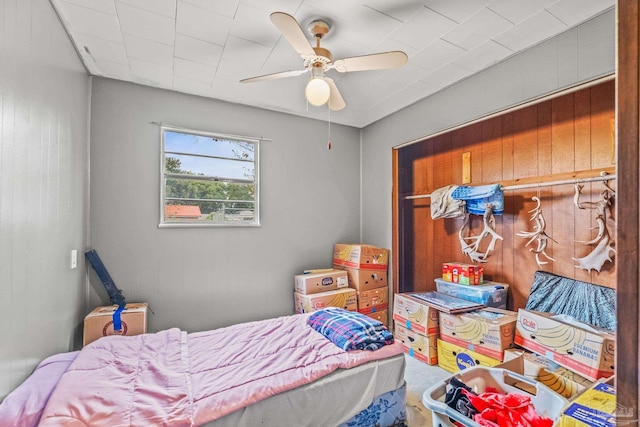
(208, 179)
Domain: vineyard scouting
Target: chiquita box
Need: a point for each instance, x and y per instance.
(364, 279)
(414, 314)
(418, 346)
(360, 256)
(99, 323)
(582, 348)
(321, 282)
(488, 331)
(561, 380)
(454, 358)
(373, 300)
(343, 298)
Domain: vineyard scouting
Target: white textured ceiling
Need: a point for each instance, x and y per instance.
(205, 47)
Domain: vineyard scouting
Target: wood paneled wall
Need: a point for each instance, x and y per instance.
(553, 138)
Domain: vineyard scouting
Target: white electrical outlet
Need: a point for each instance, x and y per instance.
(74, 258)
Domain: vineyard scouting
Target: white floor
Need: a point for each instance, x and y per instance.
(419, 377)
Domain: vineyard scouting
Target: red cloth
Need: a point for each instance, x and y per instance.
(506, 410)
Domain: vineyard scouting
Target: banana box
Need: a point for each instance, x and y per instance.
(418, 346)
(561, 380)
(364, 279)
(373, 300)
(596, 407)
(360, 256)
(582, 348)
(415, 314)
(344, 298)
(454, 358)
(488, 331)
(320, 282)
(381, 316)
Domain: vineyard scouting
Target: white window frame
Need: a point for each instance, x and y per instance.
(164, 223)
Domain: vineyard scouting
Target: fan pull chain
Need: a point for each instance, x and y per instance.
(329, 136)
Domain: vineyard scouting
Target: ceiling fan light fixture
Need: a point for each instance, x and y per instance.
(317, 91)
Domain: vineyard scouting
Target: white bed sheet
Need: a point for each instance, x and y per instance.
(327, 402)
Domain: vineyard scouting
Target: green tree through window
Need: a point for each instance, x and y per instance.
(208, 179)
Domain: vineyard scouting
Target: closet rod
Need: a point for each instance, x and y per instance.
(537, 185)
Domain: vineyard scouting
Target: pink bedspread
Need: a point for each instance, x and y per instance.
(172, 378)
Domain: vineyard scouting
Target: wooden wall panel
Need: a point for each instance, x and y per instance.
(564, 135)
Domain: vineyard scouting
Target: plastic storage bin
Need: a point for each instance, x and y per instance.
(546, 402)
(490, 294)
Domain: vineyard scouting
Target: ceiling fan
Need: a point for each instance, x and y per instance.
(318, 60)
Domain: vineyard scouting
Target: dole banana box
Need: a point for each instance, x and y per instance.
(344, 298)
(582, 348)
(596, 407)
(414, 314)
(487, 331)
(418, 346)
(364, 279)
(559, 379)
(373, 300)
(454, 358)
(465, 274)
(381, 316)
(320, 282)
(360, 256)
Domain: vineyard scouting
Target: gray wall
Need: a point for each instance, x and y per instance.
(203, 278)
(197, 278)
(578, 55)
(44, 104)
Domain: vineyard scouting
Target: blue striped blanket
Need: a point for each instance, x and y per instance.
(350, 330)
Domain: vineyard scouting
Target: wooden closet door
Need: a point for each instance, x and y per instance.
(628, 212)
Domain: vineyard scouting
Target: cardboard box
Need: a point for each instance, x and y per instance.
(320, 282)
(561, 380)
(597, 407)
(414, 314)
(465, 274)
(373, 300)
(454, 358)
(490, 294)
(344, 298)
(582, 348)
(360, 256)
(418, 346)
(364, 279)
(488, 331)
(99, 323)
(381, 316)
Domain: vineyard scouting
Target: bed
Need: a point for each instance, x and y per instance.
(275, 372)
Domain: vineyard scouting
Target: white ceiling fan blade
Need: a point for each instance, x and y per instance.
(274, 76)
(336, 102)
(376, 61)
(292, 32)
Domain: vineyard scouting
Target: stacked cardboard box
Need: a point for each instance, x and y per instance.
(366, 269)
(581, 348)
(416, 326)
(475, 338)
(329, 288)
